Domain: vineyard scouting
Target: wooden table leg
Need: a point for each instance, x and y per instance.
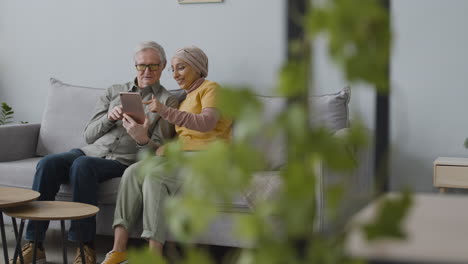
(64, 241)
(442, 190)
(2, 229)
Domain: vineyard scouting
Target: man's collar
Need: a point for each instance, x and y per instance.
(134, 87)
(154, 88)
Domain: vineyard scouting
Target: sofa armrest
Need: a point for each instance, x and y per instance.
(358, 186)
(357, 183)
(18, 141)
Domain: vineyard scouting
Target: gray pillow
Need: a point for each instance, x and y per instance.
(331, 110)
(328, 110)
(68, 110)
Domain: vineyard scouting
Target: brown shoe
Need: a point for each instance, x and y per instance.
(28, 251)
(89, 253)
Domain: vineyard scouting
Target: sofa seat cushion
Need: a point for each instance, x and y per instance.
(265, 186)
(19, 173)
(238, 205)
(106, 193)
(68, 110)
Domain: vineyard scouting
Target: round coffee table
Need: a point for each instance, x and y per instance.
(50, 211)
(9, 197)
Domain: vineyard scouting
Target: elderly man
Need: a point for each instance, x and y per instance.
(114, 139)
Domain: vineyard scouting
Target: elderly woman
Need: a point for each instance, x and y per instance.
(198, 122)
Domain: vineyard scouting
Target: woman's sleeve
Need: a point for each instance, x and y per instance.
(203, 122)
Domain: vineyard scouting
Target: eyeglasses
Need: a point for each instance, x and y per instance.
(152, 67)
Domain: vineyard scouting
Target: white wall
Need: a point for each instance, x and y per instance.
(429, 74)
(91, 43)
(430, 78)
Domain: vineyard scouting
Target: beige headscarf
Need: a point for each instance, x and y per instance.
(195, 57)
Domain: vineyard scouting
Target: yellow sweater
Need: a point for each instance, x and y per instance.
(202, 97)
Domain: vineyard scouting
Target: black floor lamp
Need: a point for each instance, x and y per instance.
(382, 130)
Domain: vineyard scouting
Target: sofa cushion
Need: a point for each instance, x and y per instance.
(106, 193)
(264, 186)
(328, 110)
(68, 109)
(331, 110)
(18, 173)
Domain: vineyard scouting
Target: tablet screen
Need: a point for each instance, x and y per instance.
(132, 106)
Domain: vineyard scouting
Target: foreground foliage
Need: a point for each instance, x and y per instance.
(284, 230)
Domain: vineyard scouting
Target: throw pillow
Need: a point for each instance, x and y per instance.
(68, 110)
(328, 110)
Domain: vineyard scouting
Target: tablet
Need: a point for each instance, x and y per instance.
(132, 106)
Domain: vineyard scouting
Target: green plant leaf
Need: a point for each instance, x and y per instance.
(388, 221)
(144, 256)
(6, 114)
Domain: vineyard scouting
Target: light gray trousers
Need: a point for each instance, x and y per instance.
(144, 194)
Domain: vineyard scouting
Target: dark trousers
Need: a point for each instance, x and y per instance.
(84, 174)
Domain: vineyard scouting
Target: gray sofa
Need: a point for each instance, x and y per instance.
(69, 107)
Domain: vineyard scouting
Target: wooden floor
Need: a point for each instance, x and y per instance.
(53, 248)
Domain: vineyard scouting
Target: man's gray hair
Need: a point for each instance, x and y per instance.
(154, 46)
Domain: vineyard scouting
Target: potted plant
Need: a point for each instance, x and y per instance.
(6, 114)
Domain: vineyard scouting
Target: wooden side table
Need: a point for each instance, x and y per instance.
(450, 173)
(9, 197)
(50, 211)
